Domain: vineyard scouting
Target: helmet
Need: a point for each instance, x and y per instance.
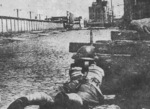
(85, 53)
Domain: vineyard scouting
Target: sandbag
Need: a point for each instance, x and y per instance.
(107, 107)
(141, 25)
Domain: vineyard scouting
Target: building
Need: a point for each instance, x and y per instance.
(136, 9)
(97, 13)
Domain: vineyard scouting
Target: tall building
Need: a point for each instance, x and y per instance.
(97, 12)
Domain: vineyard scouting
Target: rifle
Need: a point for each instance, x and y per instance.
(86, 63)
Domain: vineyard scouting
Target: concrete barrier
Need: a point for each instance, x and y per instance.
(13, 24)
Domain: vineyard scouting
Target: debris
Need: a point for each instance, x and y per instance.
(139, 24)
(44, 34)
(7, 34)
(63, 30)
(108, 97)
(36, 32)
(107, 107)
(55, 32)
(17, 39)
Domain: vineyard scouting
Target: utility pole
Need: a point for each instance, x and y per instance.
(17, 10)
(135, 2)
(39, 16)
(112, 12)
(30, 13)
(1, 21)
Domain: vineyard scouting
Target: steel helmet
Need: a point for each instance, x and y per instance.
(85, 53)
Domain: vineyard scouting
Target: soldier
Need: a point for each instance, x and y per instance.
(141, 25)
(82, 91)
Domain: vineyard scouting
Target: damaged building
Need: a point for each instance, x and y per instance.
(97, 13)
(136, 9)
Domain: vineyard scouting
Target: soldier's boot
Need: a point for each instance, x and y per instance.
(20, 103)
(41, 99)
(70, 101)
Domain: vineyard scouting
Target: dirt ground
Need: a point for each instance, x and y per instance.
(35, 63)
(39, 62)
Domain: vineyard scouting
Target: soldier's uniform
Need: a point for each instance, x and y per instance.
(81, 91)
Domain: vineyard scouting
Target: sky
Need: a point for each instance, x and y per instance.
(52, 7)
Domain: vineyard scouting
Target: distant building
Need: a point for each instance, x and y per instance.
(97, 12)
(136, 9)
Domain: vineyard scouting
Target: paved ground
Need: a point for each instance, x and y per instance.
(36, 62)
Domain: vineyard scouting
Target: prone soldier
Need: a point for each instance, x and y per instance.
(82, 91)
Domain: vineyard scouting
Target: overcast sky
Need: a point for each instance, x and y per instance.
(51, 7)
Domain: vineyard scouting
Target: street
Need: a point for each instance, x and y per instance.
(36, 63)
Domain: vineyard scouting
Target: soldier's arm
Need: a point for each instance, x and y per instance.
(75, 77)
